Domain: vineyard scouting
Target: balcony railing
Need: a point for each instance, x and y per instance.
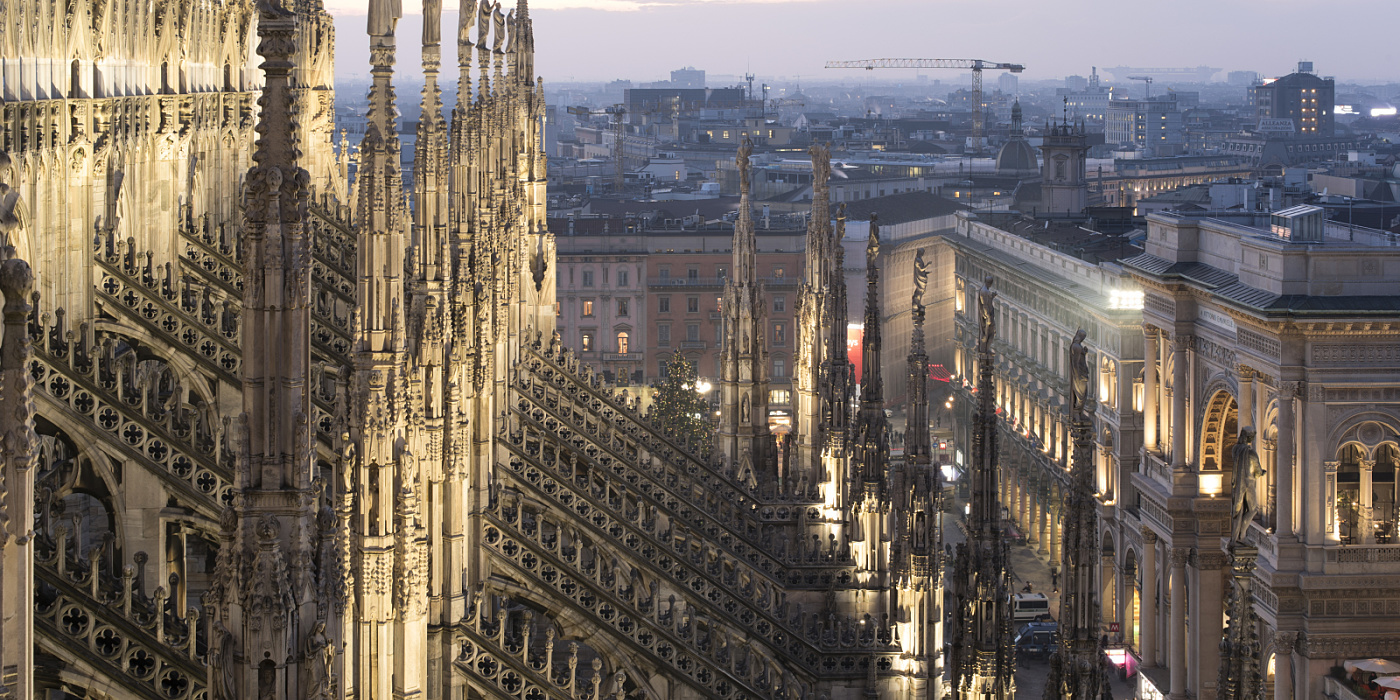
(1338, 689)
(685, 281)
(716, 281)
(693, 345)
(622, 357)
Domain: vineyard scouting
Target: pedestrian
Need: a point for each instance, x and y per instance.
(1055, 579)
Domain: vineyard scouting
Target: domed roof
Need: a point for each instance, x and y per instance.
(1017, 157)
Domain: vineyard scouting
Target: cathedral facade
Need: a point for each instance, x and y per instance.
(283, 435)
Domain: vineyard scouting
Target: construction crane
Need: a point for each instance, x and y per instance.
(619, 129)
(976, 65)
(1147, 84)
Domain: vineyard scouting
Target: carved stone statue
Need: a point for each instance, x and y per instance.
(986, 298)
(872, 248)
(742, 163)
(1079, 375)
(466, 17)
(920, 277)
(483, 24)
(1247, 472)
(432, 22)
(319, 657)
(821, 164)
(221, 664)
(11, 213)
(383, 14)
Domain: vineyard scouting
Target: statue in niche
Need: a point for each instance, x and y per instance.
(221, 661)
(1248, 471)
(986, 298)
(1079, 376)
(319, 655)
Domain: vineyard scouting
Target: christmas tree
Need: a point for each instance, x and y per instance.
(679, 408)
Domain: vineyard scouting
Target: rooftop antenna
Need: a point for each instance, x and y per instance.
(749, 77)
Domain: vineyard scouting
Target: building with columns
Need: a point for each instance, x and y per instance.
(1045, 296)
(1284, 324)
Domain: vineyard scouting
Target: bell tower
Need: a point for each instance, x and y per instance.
(1064, 185)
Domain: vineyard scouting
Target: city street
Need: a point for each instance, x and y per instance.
(1027, 566)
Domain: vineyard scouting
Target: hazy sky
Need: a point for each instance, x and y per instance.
(645, 39)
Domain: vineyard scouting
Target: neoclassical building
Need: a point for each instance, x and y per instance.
(1284, 324)
(1045, 296)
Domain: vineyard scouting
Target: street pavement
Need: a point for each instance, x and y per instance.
(1029, 567)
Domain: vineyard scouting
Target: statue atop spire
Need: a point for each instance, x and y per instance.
(1078, 669)
(743, 427)
(872, 429)
(384, 15)
(983, 661)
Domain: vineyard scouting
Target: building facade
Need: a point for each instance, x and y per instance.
(1302, 98)
(1260, 322)
(1154, 123)
(1044, 297)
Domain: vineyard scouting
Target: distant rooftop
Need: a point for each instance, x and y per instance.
(1093, 239)
(904, 207)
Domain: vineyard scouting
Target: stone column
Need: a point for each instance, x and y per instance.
(1149, 389)
(1331, 526)
(1033, 504)
(1283, 664)
(1147, 644)
(1126, 588)
(1366, 534)
(1283, 492)
(1043, 529)
(1055, 544)
(1179, 394)
(1246, 398)
(1207, 623)
(1176, 663)
(1024, 513)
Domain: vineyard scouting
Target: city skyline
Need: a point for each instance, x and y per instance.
(730, 38)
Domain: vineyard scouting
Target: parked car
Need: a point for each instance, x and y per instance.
(1037, 640)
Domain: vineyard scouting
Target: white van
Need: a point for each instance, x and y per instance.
(1026, 607)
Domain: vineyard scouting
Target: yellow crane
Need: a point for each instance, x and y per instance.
(976, 65)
